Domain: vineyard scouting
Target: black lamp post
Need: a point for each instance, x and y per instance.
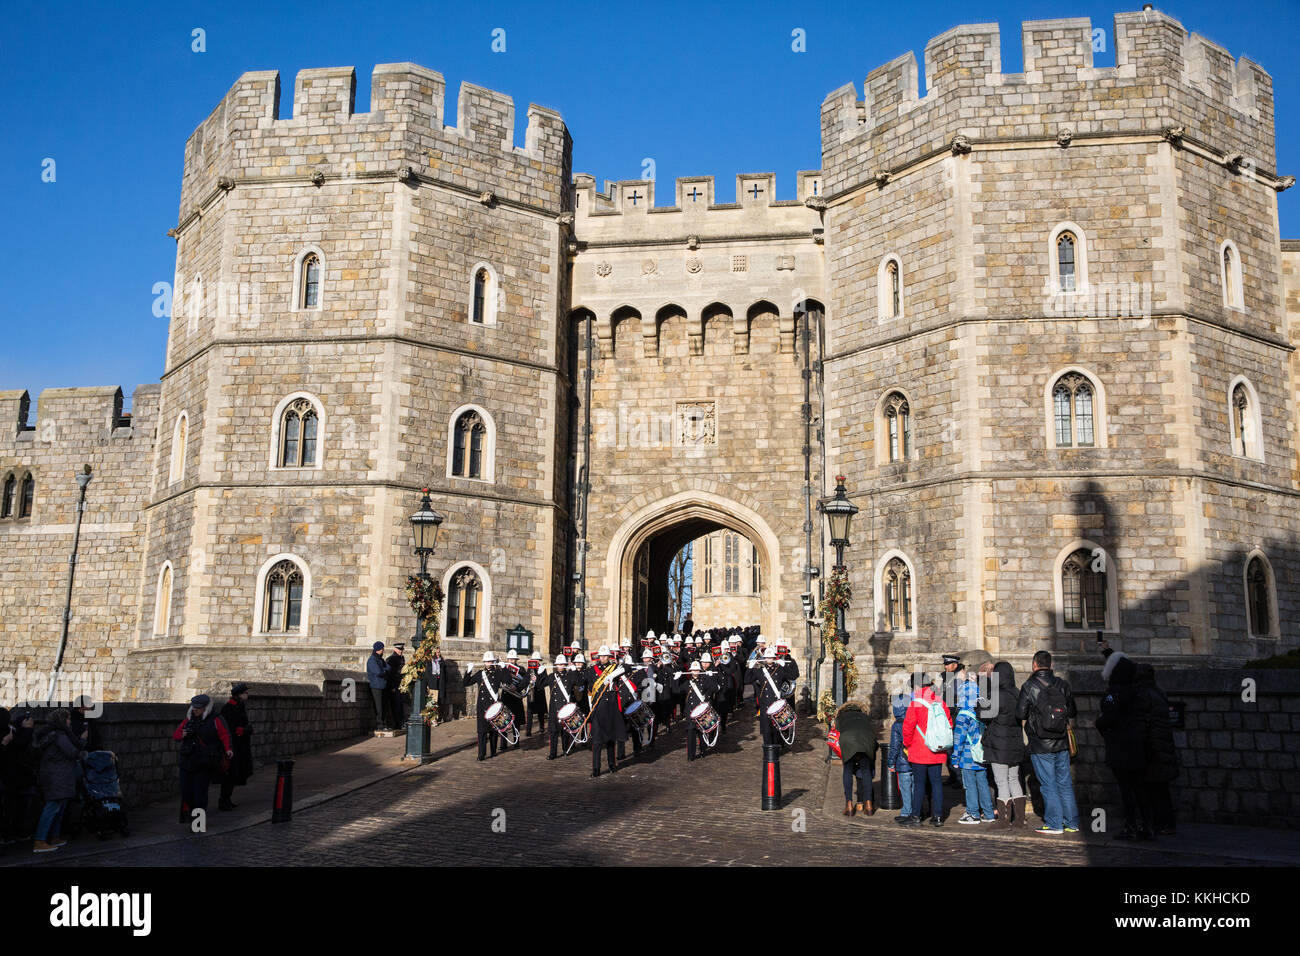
(839, 512)
(83, 480)
(424, 527)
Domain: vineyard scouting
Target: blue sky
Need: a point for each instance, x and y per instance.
(110, 92)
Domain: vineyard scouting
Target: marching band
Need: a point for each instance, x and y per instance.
(617, 697)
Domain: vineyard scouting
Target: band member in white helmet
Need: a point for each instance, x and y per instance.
(581, 681)
(488, 680)
(536, 700)
(608, 729)
(513, 701)
(696, 688)
(767, 678)
(560, 683)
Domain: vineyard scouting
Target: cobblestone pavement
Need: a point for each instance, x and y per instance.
(657, 809)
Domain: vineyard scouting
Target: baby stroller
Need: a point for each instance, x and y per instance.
(101, 796)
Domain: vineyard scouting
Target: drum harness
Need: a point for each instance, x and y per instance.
(789, 742)
(496, 698)
(559, 682)
(704, 700)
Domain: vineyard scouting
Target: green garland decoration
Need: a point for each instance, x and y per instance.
(425, 597)
(839, 593)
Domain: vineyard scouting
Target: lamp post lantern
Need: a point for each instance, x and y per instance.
(839, 512)
(424, 528)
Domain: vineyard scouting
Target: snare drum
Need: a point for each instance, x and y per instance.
(706, 718)
(782, 716)
(500, 718)
(638, 716)
(570, 719)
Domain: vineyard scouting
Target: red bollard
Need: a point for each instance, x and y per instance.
(282, 803)
(771, 777)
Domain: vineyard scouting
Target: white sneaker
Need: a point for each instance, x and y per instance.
(967, 818)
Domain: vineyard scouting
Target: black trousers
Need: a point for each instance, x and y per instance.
(1161, 802)
(595, 755)
(864, 771)
(377, 695)
(694, 740)
(559, 736)
(484, 739)
(1136, 798)
(540, 714)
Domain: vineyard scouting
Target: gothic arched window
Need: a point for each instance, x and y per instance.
(898, 422)
(1083, 590)
(298, 427)
(282, 600)
(1065, 262)
(27, 496)
(898, 595)
(310, 281)
(464, 604)
(1072, 410)
(481, 283)
(468, 445)
(8, 497)
(1258, 598)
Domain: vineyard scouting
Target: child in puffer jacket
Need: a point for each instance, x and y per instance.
(897, 760)
(966, 734)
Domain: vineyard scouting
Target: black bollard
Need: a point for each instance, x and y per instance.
(771, 777)
(890, 799)
(282, 804)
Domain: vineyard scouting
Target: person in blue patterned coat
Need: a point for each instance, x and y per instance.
(967, 732)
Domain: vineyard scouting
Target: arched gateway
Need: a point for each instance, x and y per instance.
(636, 566)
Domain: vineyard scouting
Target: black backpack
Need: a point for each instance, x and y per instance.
(1053, 710)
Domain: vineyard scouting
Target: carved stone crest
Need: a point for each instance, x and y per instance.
(317, 178)
(649, 267)
(694, 265)
(1174, 134)
(603, 269)
(697, 424)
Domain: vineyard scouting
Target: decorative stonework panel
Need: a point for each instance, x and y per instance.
(696, 424)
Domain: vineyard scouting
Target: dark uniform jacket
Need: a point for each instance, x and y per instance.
(485, 677)
(692, 687)
(607, 722)
(552, 681)
(764, 695)
(235, 714)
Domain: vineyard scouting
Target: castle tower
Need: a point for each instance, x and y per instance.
(1057, 351)
(354, 290)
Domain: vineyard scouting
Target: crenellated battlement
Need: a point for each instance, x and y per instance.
(1163, 77)
(245, 138)
(627, 207)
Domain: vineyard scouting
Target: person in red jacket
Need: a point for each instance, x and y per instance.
(926, 763)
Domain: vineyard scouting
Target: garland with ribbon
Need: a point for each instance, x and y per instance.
(425, 597)
(838, 595)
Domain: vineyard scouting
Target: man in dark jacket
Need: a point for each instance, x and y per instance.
(767, 678)
(235, 715)
(1122, 725)
(608, 729)
(377, 677)
(559, 683)
(395, 699)
(696, 688)
(537, 697)
(203, 738)
(1046, 706)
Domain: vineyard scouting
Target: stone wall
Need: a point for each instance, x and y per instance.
(1240, 760)
(287, 719)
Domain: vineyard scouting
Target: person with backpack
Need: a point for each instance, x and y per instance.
(927, 738)
(1046, 706)
(968, 752)
(897, 760)
(1004, 745)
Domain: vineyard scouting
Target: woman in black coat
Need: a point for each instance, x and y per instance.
(858, 755)
(1122, 723)
(1004, 744)
(1159, 749)
(235, 715)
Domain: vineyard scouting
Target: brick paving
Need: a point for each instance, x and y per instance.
(657, 809)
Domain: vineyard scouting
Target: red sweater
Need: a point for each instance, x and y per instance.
(914, 728)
